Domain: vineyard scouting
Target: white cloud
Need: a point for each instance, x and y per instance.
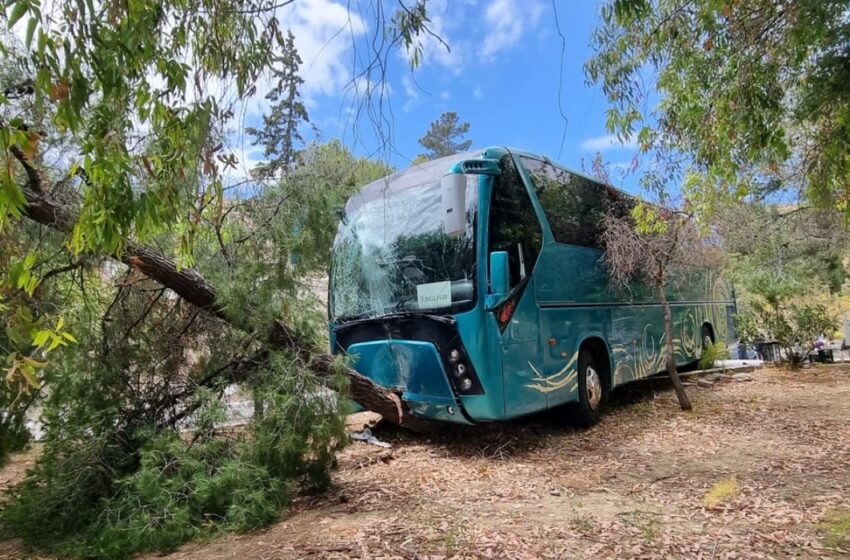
(608, 142)
(444, 95)
(478, 93)
(411, 90)
(323, 32)
(438, 47)
(507, 21)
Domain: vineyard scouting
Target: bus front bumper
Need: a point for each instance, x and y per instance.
(413, 368)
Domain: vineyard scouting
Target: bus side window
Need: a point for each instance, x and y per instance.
(513, 224)
(575, 206)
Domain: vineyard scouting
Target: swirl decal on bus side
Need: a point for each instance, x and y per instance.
(558, 380)
(647, 357)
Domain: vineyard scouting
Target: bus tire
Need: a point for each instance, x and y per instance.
(591, 390)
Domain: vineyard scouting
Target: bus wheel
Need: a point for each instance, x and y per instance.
(591, 390)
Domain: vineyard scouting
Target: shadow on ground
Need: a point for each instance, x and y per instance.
(522, 435)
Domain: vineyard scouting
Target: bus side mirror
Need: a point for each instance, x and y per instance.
(453, 190)
(500, 278)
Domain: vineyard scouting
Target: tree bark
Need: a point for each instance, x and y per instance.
(194, 288)
(670, 351)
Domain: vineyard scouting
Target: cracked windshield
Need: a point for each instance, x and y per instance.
(392, 253)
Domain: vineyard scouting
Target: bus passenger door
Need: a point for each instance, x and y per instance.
(513, 227)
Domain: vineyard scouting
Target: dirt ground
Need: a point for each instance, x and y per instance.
(760, 469)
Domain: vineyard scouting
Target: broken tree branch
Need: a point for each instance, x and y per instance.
(195, 289)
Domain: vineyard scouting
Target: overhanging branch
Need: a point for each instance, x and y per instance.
(195, 289)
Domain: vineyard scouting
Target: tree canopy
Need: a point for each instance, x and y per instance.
(114, 134)
(119, 118)
(445, 136)
(752, 97)
(280, 130)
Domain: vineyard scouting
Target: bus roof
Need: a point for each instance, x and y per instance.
(413, 176)
(420, 173)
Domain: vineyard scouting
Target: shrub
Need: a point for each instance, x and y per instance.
(716, 351)
(134, 457)
(794, 326)
(95, 496)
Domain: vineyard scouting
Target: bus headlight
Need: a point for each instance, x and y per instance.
(459, 369)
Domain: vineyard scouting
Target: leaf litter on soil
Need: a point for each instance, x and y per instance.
(633, 486)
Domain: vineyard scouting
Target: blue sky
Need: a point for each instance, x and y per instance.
(501, 75)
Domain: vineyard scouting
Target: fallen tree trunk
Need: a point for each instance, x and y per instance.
(194, 288)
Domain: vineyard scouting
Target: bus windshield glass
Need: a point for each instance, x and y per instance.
(392, 253)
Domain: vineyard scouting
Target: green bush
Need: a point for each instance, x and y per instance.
(97, 497)
(119, 472)
(181, 491)
(716, 351)
(794, 326)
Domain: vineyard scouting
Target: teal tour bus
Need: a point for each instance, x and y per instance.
(473, 286)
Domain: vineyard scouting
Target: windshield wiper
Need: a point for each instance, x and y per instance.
(398, 309)
(367, 317)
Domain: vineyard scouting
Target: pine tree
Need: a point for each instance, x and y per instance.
(280, 127)
(444, 137)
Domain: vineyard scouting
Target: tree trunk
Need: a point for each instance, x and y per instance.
(670, 352)
(194, 288)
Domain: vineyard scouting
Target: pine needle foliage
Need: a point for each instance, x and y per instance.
(279, 134)
(445, 137)
(139, 453)
(125, 469)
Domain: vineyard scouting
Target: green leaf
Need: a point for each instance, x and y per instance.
(23, 279)
(55, 342)
(31, 25)
(18, 12)
(34, 363)
(41, 338)
(31, 285)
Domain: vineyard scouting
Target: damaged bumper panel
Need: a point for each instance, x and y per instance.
(415, 369)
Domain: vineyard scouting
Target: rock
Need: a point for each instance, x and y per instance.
(554, 493)
(705, 382)
(714, 377)
(742, 377)
(359, 421)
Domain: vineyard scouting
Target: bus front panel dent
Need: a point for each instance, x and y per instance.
(415, 369)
